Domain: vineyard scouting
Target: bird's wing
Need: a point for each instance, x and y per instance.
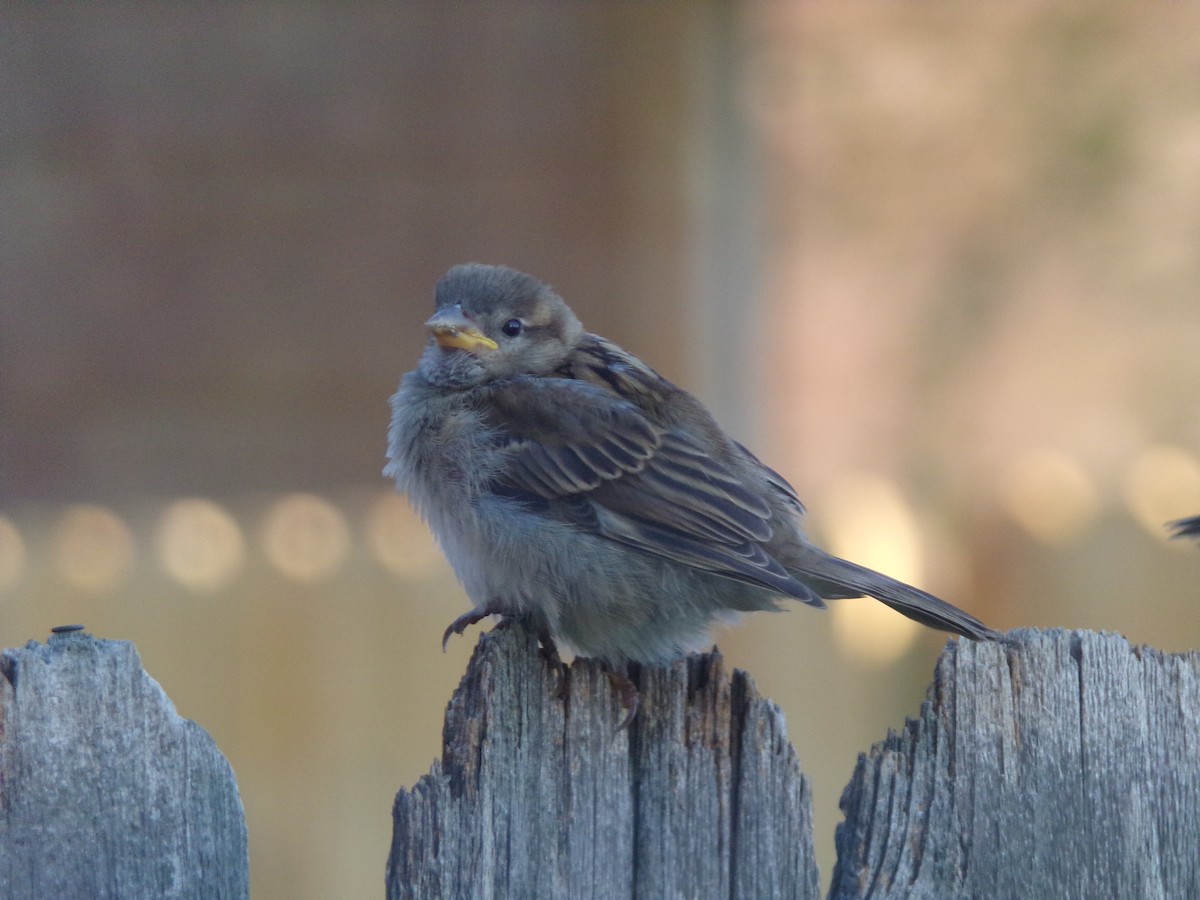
(775, 480)
(565, 437)
(596, 460)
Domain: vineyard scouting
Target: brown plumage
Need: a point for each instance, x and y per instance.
(572, 485)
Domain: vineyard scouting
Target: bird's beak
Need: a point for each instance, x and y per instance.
(451, 328)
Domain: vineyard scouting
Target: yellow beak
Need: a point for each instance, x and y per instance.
(450, 328)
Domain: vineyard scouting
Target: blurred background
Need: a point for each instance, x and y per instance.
(937, 264)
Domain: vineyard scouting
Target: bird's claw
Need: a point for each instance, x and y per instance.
(627, 696)
(549, 651)
(547, 647)
(463, 622)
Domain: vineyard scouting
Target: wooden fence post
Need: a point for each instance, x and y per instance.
(1054, 764)
(105, 792)
(1051, 764)
(538, 795)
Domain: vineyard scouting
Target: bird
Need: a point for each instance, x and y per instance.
(1189, 527)
(574, 488)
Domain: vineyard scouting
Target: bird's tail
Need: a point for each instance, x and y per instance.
(1189, 527)
(835, 578)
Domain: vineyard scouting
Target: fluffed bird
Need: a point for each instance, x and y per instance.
(573, 487)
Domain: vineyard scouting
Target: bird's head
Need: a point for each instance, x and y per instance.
(495, 322)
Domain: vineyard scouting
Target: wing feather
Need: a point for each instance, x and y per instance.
(596, 460)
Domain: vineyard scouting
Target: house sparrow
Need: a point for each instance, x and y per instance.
(1189, 527)
(573, 487)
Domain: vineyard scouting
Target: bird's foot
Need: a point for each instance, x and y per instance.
(547, 647)
(549, 651)
(627, 696)
(467, 619)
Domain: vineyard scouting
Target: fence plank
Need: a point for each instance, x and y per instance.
(105, 792)
(1053, 764)
(1050, 764)
(539, 796)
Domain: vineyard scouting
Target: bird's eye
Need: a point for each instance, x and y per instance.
(512, 327)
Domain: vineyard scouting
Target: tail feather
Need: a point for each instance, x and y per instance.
(835, 578)
(1189, 527)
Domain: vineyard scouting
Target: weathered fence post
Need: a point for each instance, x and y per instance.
(538, 795)
(1054, 764)
(1050, 764)
(105, 792)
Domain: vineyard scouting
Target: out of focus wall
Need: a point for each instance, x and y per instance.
(980, 363)
(222, 226)
(936, 264)
(221, 231)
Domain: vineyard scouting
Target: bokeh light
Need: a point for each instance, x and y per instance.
(398, 539)
(93, 548)
(1050, 496)
(306, 538)
(12, 554)
(1162, 484)
(200, 544)
(866, 520)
